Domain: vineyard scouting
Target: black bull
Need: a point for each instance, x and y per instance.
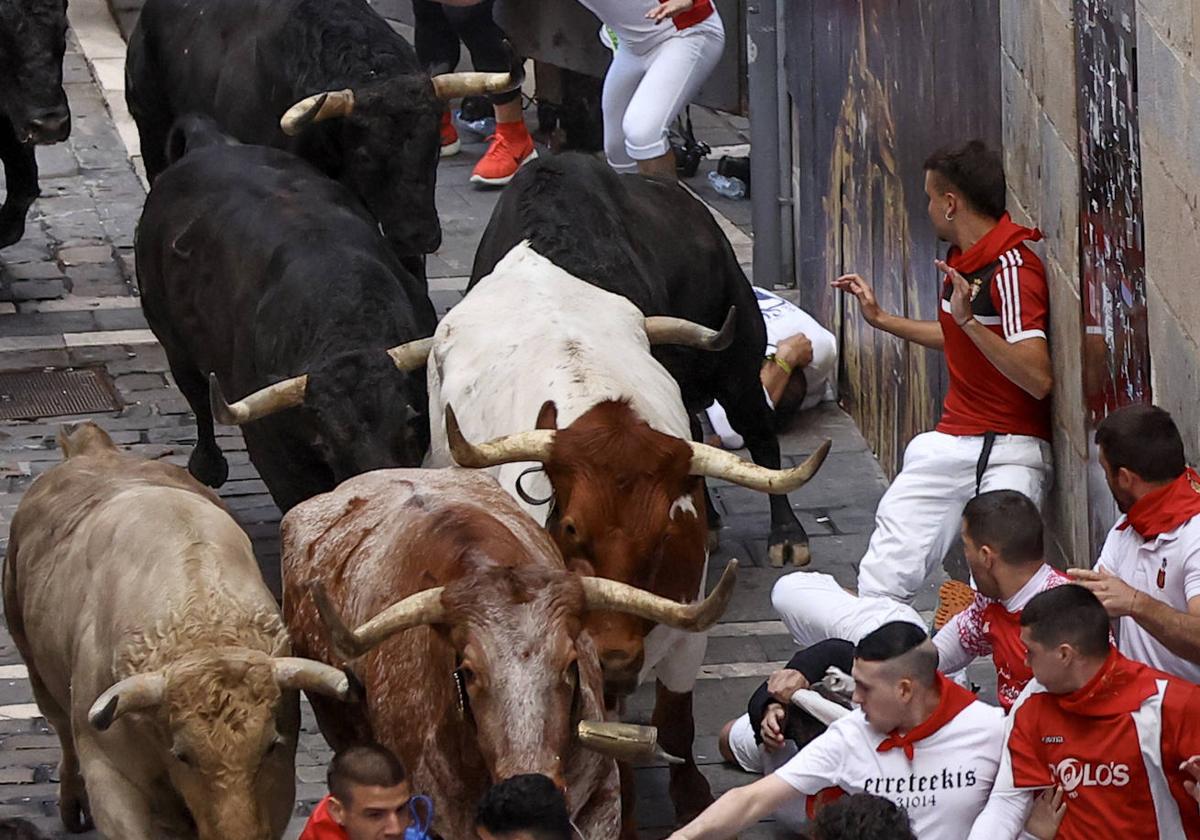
(654, 243)
(33, 105)
(256, 268)
(245, 63)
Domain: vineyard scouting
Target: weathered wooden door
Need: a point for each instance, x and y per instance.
(877, 85)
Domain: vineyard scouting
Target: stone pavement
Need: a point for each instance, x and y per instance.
(68, 299)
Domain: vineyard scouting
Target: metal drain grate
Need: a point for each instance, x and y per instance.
(31, 394)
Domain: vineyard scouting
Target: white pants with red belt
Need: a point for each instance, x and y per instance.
(644, 91)
(919, 516)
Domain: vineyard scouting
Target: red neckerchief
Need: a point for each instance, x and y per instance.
(1166, 508)
(1119, 687)
(1005, 236)
(954, 698)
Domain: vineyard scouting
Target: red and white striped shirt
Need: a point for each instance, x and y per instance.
(1010, 297)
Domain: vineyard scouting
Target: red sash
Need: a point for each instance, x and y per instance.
(1166, 508)
(954, 698)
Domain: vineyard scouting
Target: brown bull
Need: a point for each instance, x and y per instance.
(494, 671)
(629, 506)
(154, 650)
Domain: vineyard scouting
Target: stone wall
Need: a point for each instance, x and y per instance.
(1037, 73)
(1168, 37)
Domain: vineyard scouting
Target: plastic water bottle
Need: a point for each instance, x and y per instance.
(483, 127)
(734, 188)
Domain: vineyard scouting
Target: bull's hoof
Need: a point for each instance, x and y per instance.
(208, 465)
(12, 224)
(794, 550)
(74, 809)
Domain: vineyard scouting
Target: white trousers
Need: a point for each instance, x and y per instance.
(754, 758)
(814, 607)
(644, 93)
(919, 516)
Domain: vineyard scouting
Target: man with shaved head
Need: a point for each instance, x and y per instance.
(916, 738)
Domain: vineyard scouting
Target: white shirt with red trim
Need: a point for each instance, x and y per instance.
(943, 787)
(993, 628)
(1119, 770)
(1138, 562)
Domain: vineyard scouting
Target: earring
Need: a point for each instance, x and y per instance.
(949, 217)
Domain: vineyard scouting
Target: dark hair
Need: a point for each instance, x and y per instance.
(974, 170)
(862, 816)
(1070, 615)
(888, 641)
(13, 828)
(372, 765)
(1144, 440)
(792, 397)
(530, 804)
(1008, 522)
(896, 640)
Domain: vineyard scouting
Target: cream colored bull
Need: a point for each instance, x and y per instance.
(154, 650)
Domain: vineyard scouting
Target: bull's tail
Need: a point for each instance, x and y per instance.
(83, 439)
(191, 132)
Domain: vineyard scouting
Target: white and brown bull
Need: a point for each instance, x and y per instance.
(531, 345)
(493, 671)
(154, 650)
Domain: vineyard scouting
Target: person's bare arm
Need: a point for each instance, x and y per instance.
(1178, 631)
(1026, 363)
(925, 333)
(737, 809)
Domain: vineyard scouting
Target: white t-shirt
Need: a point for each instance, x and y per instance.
(1138, 563)
(784, 320)
(944, 787)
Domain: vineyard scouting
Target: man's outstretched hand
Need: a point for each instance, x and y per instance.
(861, 289)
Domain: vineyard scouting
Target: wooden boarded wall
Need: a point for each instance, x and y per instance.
(877, 85)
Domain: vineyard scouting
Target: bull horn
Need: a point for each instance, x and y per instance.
(266, 401)
(315, 108)
(717, 463)
(604, 594)
(411, 355)
(132, 694)
(623, 741)
(661, 329)
(454, 85)
(297, 674)
(420, 608)
(523, 446)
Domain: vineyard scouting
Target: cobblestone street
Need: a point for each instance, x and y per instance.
(68, 299)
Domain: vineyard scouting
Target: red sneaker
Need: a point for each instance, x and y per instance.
(450, 144)
(511, 148)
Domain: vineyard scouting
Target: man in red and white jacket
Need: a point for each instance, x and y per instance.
(369, 799)
(1109, 732)
(1148, 574)
(917, 739)
(995, 427)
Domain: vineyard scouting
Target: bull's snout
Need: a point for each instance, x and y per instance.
(49, 126)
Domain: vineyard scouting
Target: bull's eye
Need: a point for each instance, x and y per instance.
(182, 756)
(468, 676)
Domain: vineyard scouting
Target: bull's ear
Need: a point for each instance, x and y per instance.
(547, 416)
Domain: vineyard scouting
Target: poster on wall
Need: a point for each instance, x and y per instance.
(1116, 348)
